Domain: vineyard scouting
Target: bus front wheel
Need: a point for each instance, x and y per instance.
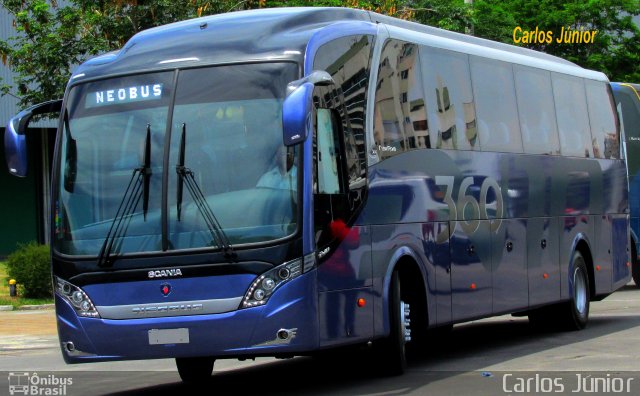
(392, 353)
(635, 270)
(195, 369)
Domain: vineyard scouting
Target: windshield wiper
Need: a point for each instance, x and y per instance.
(185, 176)
(137, 188)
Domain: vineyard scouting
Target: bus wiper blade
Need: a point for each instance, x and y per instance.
(180, 169)
(137, 188)
(146, 172)
(186, 177)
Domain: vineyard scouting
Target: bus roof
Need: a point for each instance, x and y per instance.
(266, 34)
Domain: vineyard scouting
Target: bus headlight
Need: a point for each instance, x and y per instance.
(76, 297)
(263, 286)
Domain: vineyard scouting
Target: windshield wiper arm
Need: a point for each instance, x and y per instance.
(146, 172)
(137, 188)
(186, 177)
(180, 170)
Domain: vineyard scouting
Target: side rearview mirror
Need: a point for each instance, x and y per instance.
(15, 142)
(296, 108)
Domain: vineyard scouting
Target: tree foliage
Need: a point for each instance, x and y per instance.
(615, 52)
(30, 266)
(51, 39)
(48, 42)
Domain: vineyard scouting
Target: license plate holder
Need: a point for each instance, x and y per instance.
(168, 336)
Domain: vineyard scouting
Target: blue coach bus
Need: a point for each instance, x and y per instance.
(627, 97)
(278, 182)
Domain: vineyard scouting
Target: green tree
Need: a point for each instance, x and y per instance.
(615, 52)
(49, 40)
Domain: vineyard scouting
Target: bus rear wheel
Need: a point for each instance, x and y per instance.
(578, 305)
(195, 369)
(572, 314)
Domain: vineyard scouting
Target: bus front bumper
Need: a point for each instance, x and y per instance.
(286, 325)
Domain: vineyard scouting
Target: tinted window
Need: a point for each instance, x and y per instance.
(571, 111)
(348, 59)
(400, 119)
(452, 113)
(537, 115)
(498, 125)
(604, 128)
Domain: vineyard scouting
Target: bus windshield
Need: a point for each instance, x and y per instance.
(176, 160)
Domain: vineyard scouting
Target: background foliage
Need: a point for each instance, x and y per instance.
(50, 39)
(30, 266)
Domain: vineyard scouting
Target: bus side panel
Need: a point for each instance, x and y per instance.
(510, 288)
(342, 320)
(344, 277)
(620, 250)
(438, 255)
(471, 271)
(543, 261)
(602, 262)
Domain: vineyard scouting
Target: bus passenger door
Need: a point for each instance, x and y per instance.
(471, 294)
(343, 245)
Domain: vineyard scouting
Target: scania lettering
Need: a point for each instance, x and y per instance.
(165, 273)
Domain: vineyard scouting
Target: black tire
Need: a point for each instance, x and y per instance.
(393, 353)
(635, 266)
(576, 312)
(195, 369)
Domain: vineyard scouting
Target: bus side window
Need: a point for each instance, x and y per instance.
(573, 116)
(328, 157)
(604, 126)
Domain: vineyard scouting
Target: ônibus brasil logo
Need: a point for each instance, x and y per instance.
(33, 384)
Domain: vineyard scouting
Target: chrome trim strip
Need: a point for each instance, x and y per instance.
(177, 308)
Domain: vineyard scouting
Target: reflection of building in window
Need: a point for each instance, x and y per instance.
(449, 100)
(400, 120)
(347, 60)
(446, 118)
(471, 132)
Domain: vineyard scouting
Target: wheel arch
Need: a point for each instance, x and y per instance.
(414, 281)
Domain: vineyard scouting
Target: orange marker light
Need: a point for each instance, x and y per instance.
(473, 286)
(545, 275)
(598, 268)
(361, 302)
(628, 264)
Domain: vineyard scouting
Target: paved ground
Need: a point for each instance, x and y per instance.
(28, 323)
(21, 331)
